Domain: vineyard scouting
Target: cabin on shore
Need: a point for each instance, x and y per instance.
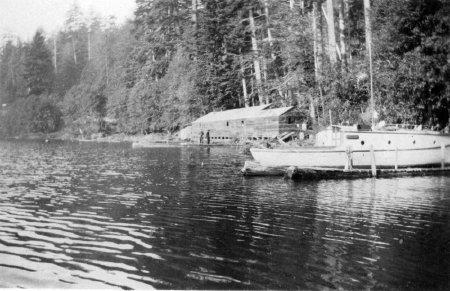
(257, 122)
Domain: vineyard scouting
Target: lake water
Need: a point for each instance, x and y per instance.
(80, 215)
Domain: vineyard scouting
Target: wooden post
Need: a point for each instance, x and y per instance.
(396, 158)
(442, 156)
(349, 162)
(373, 163)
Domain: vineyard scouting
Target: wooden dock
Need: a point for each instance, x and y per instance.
(252, 168)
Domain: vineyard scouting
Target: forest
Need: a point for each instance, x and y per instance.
(180, 59)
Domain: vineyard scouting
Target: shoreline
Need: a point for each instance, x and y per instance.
(113, 138)
(150, 140)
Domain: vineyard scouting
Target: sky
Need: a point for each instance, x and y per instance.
(23, 17)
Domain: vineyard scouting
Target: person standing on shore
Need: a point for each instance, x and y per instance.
(207, 137)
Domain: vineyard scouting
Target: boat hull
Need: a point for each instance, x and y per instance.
(338, 157)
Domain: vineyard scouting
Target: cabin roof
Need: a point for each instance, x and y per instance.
(244, 113)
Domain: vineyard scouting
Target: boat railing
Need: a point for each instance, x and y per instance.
(399, 126)
(404, 127)
(337, 128)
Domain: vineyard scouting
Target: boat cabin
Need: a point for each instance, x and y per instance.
(382, 138)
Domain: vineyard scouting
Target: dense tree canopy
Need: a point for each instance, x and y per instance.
(180, 59)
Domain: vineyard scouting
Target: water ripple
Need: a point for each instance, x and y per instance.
(102, 216)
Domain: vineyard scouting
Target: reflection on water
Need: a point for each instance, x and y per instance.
(76, 215)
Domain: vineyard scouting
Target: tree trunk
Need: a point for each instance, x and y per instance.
(55, 55)
(321, 47)
(312, 109)
(89, 44)
(369, 52)
(331, 33)
(321, 51)
(342, 40)
(317, 66)
(106, 70)
(272, 55)
(244, 82)
(264, 83)
(194, 14)
(269, 34)
(367, 26)
(315, 42)
(291, 91)
(256, 61)
(74, 51)
(252, 92)
(346, 17)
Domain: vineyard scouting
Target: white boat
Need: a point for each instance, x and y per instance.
(338, 147)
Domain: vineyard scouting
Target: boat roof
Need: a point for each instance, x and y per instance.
(244, 113)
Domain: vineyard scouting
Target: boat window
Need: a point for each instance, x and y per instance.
(389, 142)
(352, 136)
(414, 142)
(362, 142)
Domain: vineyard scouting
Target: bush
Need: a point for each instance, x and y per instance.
(31, 114)
(45, 117)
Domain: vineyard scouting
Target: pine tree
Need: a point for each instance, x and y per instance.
(414, 45)
(223, 41)
(73, 48)
(39, 72)
(12, 84)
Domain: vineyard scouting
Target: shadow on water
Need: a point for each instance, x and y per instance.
(85, 215)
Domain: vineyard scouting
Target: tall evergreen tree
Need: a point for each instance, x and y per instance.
(73, 48)
(222, 38)
(12, 84)
(413, 50)
(39, 73)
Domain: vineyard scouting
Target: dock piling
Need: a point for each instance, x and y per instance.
(396, 158)
(372, 161)
(349, 162)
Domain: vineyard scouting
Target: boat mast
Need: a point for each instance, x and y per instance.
(369, 52)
